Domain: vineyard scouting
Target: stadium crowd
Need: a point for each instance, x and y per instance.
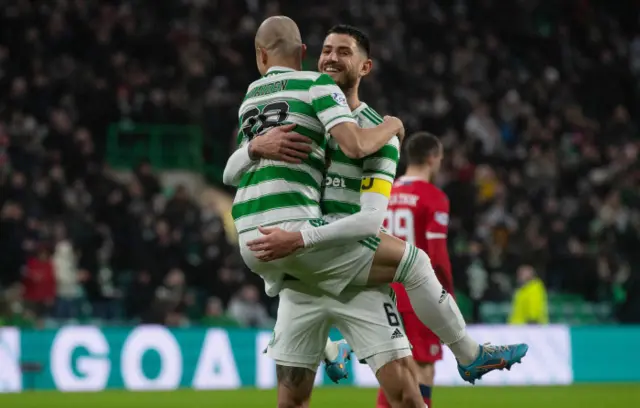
(534, 101)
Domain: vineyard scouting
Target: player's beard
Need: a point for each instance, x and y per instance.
(347, 81)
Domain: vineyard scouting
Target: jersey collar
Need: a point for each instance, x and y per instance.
(278, 70)
(411, 178)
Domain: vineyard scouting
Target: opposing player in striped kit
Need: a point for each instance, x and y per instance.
(334, 256)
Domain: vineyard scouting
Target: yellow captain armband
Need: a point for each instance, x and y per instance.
(376, 185)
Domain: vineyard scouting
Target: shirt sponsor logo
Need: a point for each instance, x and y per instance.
(334, 182)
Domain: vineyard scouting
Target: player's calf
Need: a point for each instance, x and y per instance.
(397, 378)
(295, 385)
(424, 373)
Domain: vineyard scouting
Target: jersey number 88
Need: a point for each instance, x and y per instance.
(256, 120)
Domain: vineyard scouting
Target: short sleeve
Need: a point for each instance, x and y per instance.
(329, 102)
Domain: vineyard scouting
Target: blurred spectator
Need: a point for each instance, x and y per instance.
(174, 290)
(12, 311)
(629, 311)
(530, 299)
(39, 283)
(106, 304)
(226, 284)
(215, 316)
(147, 180)
(246, 309)
(140, 296)
(539, 122)
(481, 128)
(13, 242)
(171, 300)
(67, 277)
(476, 276)
(180, 210)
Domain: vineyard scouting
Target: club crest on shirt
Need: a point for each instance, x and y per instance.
(441, 218)
(434, 349)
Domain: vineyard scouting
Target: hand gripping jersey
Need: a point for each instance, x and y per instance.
(418, 213)
(271, 192)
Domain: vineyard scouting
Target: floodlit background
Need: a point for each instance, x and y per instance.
(116, 119)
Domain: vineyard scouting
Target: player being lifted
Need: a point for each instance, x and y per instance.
(330, 256)
(418, 213)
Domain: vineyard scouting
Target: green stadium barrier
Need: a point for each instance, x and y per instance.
(87, 358)
(167, 147)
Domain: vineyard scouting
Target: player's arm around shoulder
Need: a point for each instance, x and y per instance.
(331, 107)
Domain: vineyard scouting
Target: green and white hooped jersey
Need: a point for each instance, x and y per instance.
(342, 185)
(270, 191)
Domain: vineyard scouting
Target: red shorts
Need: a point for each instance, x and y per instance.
(427, 347)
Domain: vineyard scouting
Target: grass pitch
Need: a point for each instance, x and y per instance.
(581, 396)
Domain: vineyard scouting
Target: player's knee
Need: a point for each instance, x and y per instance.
(420, 270)
(389, 360)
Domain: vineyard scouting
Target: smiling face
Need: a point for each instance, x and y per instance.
(343, 60)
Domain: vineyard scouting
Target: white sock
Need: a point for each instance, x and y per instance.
(433, 305)
(467, 348)
(331, 350)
